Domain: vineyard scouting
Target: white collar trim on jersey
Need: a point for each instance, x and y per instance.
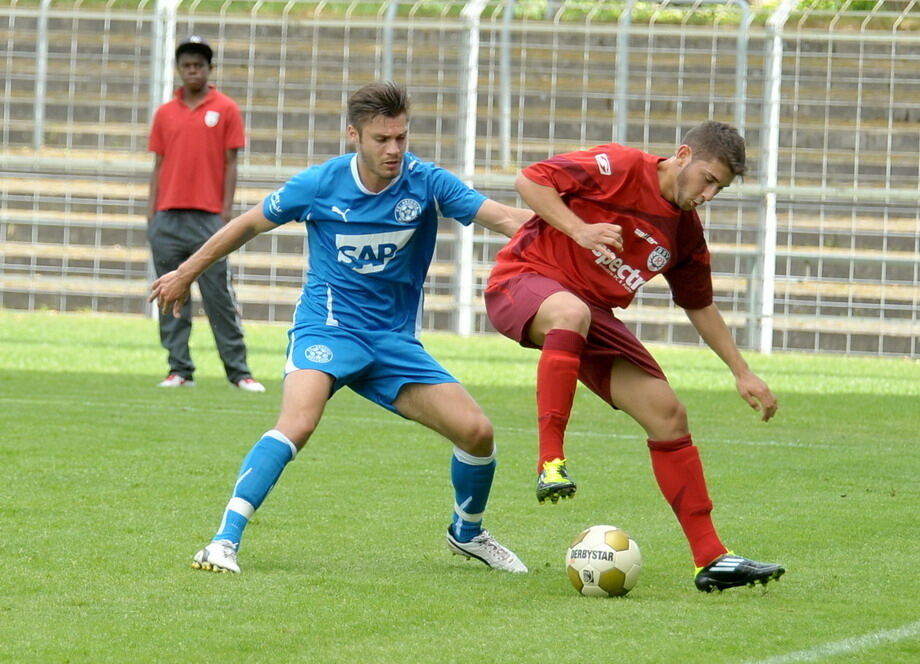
(357, 177)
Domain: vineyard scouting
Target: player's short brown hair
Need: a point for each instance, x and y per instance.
(717, 140)
(386, 98)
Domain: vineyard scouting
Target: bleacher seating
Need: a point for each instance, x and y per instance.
(74, 238)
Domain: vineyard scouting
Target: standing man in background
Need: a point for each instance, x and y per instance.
(196, 137)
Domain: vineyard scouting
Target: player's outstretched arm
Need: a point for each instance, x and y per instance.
(501, 218)
(547, 203)
(172, 289)
(713, 330)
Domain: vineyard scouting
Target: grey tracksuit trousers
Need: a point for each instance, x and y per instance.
(175, 235)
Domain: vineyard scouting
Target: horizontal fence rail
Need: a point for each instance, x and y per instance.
(818, 248)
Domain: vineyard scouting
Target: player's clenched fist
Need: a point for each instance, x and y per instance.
(599, 237)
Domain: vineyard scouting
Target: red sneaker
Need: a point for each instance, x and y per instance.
(175, 380)
(250, 385)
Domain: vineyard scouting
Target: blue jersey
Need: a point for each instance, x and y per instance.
(369, 252)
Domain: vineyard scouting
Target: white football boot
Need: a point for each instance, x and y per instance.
(486, 549)
(219, 556)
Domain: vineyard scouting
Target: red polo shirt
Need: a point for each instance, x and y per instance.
(193, 144)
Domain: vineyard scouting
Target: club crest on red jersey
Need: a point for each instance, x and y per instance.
(211, 118)
(658, 258)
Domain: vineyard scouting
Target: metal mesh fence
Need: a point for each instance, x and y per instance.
(847, 248)
(818, 248)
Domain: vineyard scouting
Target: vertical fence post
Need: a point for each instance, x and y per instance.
(156, 58)
(621, 98)
(387, 54)
(163, 35)
(161, 55)
(504, 81)
(471, 14)
(770, 150)
(41, 76)
(741, 67)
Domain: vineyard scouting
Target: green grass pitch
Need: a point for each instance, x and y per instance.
(110, 485)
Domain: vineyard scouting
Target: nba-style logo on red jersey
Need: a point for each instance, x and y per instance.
(658, 258)
(603, 163)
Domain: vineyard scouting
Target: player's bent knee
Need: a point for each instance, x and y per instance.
(671, 421)
(560, 311)
(676, 419)
(573, 315)
(298, 431)
(478, 437)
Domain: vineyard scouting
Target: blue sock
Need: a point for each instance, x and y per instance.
(260, 470)
(472, 479)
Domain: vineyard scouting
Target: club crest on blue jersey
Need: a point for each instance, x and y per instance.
(319, 353)
(407, 210)
(658, 258)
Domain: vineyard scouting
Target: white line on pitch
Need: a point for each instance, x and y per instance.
(851, 645)
(336, 416)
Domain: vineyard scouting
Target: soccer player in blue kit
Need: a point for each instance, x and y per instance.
(372, 220)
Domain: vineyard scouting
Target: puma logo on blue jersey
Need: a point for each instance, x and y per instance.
(370, 253)
(340, 212)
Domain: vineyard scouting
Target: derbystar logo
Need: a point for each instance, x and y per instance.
(370, 253)
(626, 275)
(591, 554)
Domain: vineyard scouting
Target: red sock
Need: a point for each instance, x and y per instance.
(557, 377)
(679, 472)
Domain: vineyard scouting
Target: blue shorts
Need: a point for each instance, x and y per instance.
(376, 365)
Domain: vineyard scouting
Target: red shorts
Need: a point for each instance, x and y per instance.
(512, 304)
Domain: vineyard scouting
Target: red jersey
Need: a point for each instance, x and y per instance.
(193, 144)
(618, 185)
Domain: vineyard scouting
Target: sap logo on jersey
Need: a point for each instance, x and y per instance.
(370, 253)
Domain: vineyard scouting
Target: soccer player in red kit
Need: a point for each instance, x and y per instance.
(606, 221)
